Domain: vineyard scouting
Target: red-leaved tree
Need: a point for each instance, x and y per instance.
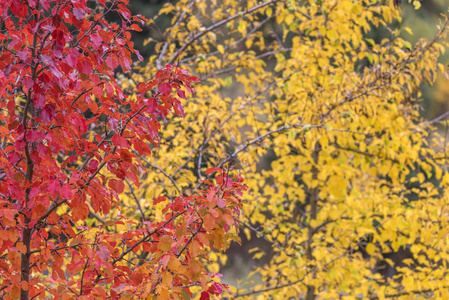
(69, 138)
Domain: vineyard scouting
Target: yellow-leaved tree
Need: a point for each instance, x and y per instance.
(346, 182)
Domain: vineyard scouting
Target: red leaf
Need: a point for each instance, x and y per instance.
(126, 156)
(211, 195)
(135, 27)
(164, 88)
(204, 296)
(13, 158)
(85, 67)
(194, 79)
(159, 199)
(104, 253)
(181, 94)
(66, 191)
(215, 289)
(124, 11)
(179, 109)
(23, 55)
(96, 39)
(39, 101)
(55, 72)
(212, 170)
(221, 202)
(207, 181)
(53, 187)
(142, 87)
(79, 13)
(93, 164)
(119, 141)
(111, 62)
(117, 185)
(59, 41)
(47, 113)
(165, 259)
(152, 105)
(136, 278)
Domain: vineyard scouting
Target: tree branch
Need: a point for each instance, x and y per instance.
(218, 25)
(136, 199)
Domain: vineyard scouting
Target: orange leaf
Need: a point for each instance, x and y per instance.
(21, 247)
(24, 285)
(167, 279)
(126, 156)
(212, 170)
(116, 185)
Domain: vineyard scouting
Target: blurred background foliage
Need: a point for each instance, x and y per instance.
(421, 22)
(435, 99)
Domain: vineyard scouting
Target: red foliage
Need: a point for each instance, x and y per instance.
(63, 119)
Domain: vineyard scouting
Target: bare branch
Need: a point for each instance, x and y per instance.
(253, 292)
(136, 199)
(218, 25)
(163, 172)
(165, 46)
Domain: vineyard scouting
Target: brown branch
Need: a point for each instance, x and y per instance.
(244, 147)
(190, 239)
(405, 293)
(254, 141)
(367, 154)
(82, 276)
(145, 238)
(218, 25)
(253, 292)
(166, 44)
(84, 92)
(433, 121)
(258, 233)
(227, 47)
(55, 203)
(27, 231)
(56, 249)
(164, 173)
(94, 24)
(94, 215)
(136, 199)
(232, 68)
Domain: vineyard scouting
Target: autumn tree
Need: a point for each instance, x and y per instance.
(325, 123)
(71, 139)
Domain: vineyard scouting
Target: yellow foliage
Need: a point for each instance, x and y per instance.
(324, 124)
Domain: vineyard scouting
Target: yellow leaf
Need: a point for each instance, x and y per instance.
(417, 4)
(242, 28)
(269, 11)
(164, 294)
(370, 249)
(220, 49)
(167, 279)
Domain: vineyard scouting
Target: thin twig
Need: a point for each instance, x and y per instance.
(166, 44)
(218, 25)
(136, 199)
(163, 172)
